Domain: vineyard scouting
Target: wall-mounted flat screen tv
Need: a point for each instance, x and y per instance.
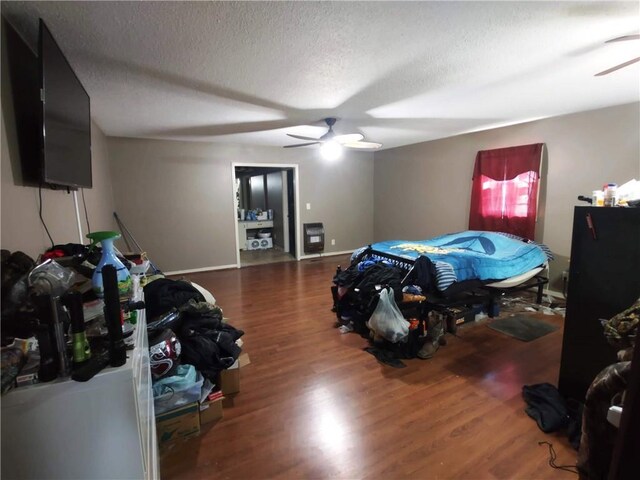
(66, 118)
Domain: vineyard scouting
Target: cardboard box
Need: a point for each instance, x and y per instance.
(244, 360)
(230, 378)
(210, 411)
(178, 425)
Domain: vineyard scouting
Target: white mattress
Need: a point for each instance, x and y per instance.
(517, 280)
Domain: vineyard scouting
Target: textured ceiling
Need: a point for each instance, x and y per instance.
(400, 73)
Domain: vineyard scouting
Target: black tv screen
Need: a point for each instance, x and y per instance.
(66, 119)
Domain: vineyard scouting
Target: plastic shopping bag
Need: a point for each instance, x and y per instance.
(179, 389)
(387, 320)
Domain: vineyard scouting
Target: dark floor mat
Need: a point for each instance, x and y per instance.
(522, 327)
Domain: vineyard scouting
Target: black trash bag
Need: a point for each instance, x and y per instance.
(163, 294)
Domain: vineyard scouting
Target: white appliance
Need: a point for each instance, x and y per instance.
(259, 243)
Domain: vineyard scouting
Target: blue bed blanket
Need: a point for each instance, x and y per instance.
(470, 255)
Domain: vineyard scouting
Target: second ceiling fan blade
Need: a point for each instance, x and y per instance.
(362, 145)
(617, 67)
(300, 145)
(300, 137)
(349, 138)
(626, 37)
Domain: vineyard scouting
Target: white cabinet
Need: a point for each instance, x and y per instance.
(103, 428)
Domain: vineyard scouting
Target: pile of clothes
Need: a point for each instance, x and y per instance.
(371, 298)
(186, 330)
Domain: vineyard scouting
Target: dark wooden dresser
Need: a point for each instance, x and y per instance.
(604, 279)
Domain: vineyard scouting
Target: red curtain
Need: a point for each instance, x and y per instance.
(504, 193)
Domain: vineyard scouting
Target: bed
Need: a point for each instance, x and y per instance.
(459, 273)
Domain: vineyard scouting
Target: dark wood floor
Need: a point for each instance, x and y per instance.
(313, 404)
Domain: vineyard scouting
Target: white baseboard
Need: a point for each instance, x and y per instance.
(553, 293)
(204, 269)
(233, 265)
(328, 254)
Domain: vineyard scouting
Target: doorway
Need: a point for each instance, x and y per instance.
(266, 213)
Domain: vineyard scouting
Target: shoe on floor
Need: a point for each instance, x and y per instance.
(429, 349)
(435, 337)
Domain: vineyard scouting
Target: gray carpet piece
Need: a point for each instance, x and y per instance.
(522, 327)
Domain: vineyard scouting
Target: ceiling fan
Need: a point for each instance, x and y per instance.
(350, 140)
(622, 65)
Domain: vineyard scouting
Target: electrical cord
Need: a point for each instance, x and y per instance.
(553, 457)
(40, 214)
(86, 215)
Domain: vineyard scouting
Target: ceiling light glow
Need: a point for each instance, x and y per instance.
(331, 150)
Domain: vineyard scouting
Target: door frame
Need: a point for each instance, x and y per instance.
(296, 178)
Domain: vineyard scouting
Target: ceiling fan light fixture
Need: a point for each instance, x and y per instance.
(332, 145)
(331, 150)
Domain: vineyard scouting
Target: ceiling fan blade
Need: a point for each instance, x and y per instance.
(617, 67)
(348, 138)
(300, 137)
(362, 145)
(626, 37)
(301, 145)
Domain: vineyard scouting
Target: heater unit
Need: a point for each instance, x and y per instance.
(313, 237)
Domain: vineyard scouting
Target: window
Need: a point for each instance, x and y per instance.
(502, 198)
(505, 189)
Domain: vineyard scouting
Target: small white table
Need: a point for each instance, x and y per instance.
(251, 227)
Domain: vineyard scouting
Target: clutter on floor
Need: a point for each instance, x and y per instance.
(589, 425)
(394, 310)
(195, 357)
(551, 411)
(526, 302)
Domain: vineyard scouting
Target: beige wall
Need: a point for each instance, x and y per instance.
(177, 198)
(424, 190)
(21, 227)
